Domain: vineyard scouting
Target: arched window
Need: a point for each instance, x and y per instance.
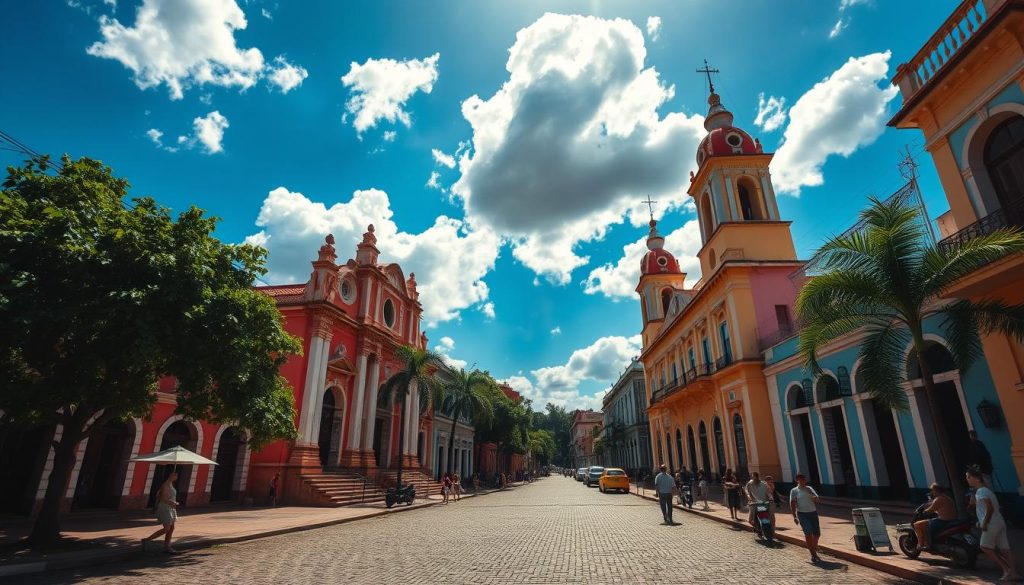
(1004, 160)
(808, 387)
(828, 388)
(666, 298)
(745, 207)
(938, 357)
(706, 215)
(679, 447)
(693, 448)
(741, 445)
(749, 200)
(705, 458)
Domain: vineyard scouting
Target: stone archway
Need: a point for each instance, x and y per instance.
(952, 404)
(176, 432)
(230, 451)
(332, 419)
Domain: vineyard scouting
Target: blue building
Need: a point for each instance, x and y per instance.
(829, 428)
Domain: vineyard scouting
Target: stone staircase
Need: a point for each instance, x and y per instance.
(339, 488)
(425, 485)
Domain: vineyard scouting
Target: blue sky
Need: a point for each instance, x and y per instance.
(551, 122)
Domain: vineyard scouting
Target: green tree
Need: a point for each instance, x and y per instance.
(99, 298)
(886, 281)
(466, 393)
(542, 445)
(420, 367)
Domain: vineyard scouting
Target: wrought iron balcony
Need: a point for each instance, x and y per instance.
(783, 332)
(676, 384)
(1011, 216)
(723, 361)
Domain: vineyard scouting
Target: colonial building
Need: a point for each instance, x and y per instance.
(709, 406)
(462, 448)
(965, 91)
(582, 433)
(350, 318)
(625, 432)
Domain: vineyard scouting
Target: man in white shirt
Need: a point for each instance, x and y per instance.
(757, 491)
(664, 484)
(802, 500)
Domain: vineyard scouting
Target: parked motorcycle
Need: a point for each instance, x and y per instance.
(763, 522)
(956, 543)
(402, 495)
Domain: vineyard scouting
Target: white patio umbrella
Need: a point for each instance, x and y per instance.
(174, 456)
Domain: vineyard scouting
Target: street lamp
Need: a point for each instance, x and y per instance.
(989, 414)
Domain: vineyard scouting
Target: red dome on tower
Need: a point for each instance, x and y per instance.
(658, 260)
(723, 138)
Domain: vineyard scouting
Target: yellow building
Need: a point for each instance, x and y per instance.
(709, 406)
(963, 90)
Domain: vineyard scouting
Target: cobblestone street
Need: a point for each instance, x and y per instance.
(553, 531)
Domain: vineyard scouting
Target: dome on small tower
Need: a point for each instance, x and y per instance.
(723, 138)
(658, 260)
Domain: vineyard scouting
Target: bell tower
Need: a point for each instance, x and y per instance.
(732, 189)
(661, 281)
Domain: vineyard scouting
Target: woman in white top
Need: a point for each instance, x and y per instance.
(994, 541)
(166, 512)
(802, 500)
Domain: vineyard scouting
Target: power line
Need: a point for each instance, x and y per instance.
(15, 145)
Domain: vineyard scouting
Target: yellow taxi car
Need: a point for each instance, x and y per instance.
(613, 478)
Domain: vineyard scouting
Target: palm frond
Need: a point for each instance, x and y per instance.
(946, 265)
(961, 327)
(882, 364)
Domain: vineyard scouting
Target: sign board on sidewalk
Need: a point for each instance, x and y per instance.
(876, 528)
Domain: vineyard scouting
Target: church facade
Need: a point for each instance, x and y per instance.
(350, 318)
(709, 404)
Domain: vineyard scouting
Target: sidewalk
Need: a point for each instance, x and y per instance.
(837, 540)
(92, 538)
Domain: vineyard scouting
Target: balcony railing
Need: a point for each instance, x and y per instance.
(687, 378)
(1011, 216)
(940, 48)
(723, 361)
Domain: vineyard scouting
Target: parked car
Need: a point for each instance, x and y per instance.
(613, 478)
(581, 474)
(593, 475)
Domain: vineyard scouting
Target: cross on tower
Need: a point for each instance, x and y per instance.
(707, 70)
(650, 206)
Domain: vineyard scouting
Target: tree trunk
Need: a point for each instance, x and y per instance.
(957, 484)
(401, 439)
(46, 529)
(451, 439)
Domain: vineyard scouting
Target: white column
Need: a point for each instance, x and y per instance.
(412, 420)
(309, 393)
(318, 392)
(372, 389)
(355, 428)
(769, 196)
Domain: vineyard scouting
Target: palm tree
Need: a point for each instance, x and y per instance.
(420, 366)
(466, 393)
(886, 281)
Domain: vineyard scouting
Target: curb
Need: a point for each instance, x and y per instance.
(93, 558)
(845, 555)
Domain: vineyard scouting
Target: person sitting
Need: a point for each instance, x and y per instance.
(942, 505)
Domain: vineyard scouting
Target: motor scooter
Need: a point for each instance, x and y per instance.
(406, 494)
(957, 542)
(763, 522)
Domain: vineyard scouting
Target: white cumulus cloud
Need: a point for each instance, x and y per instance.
(771, 113)
(286, 76)
(449, 259)
(209, 131)
(380, 88)
(556, 331)
(444, 346)
(601, 361)
(654, 27)
(840, 114)
(572, 140)
(618, 281)
(181, 44)
(442, 158)
(487, 309)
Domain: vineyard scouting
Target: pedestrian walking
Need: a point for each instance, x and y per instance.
(803, 503)
(446, 488)
(994, 541)
(732, 493)
(980, 457)
(664, 484)
(457, 485)
(702, 485)
(273, 489)
(166, 512)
